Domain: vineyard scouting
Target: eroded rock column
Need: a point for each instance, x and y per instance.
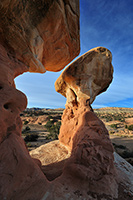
(18, 171)
(82, 131)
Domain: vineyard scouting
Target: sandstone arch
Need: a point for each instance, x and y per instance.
(37, 36)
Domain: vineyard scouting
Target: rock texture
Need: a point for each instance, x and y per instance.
(44, 35)
(81, 131)
(66, 186)
(35, 36)
(20, 175)
(86, 77)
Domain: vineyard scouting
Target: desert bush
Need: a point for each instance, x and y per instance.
(31, 138)
(111, 132)
(48, 125)
(26, 122)
(130, 127)
(53, 130)
(27, 128)
(119, 117)
(113, 126)
(126, 126)
(50, 117)
(107, 117)
(29, 144)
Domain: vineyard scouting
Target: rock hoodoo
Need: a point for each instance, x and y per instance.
(87, 77)
(82, 132)
(81, 164)
(43, 35)
(81, 82)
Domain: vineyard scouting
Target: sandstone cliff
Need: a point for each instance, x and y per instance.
(35, 36)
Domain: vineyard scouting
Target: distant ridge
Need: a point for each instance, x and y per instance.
(118, 108)
(105, 109)
(114, 109)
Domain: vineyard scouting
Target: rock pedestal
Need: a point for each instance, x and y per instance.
(82, 163)
(43, 35)
(85, 136)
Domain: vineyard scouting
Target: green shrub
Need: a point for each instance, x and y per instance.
(27, 128)
(111, 132)
(126, 126)
(26, 122)
(119, 117)
(48, 125)
(130, 127)
(109, 118)
(31, 138)
(53, 130)
(29, 144)
(50, 117)
(113, 126)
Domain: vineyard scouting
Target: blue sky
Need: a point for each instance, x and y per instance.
(102, 23)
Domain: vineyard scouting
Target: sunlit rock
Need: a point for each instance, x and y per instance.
(86, 77)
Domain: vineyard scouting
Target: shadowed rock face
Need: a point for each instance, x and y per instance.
(44, 35)
(35, 36)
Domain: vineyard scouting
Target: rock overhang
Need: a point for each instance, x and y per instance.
(87, 77)
(43, 35)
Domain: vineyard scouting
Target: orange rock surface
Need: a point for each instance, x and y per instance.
(86, 77)
(35, 36)
(44, 35)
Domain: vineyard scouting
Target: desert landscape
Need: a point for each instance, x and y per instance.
(65, 154)
(41, 126)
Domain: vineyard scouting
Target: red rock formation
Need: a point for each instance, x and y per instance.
(44, 35)
(81, 131)
(35, 36)
(82, 163)
(87, 77)
(81, 82)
